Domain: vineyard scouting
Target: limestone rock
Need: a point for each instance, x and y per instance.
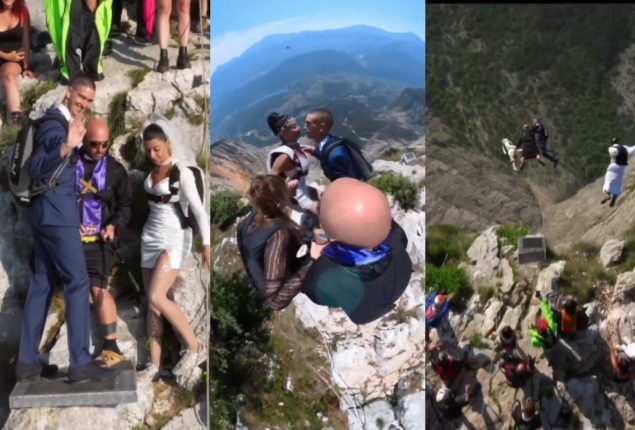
(548, 277)
(192, 419)
(611, 252)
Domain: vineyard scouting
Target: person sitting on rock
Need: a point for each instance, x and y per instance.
(449, 406)
(570, 317)
(543, 333)
(614, 176)
(446, 366)
(269, 243)
(621, 362)
(437, 305)
(14, 54)
(516, 370)
(527, 416)
(365, 268)
(506, 339)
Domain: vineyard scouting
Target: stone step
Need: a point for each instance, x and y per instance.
(59, 393)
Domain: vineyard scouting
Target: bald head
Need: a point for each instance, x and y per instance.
(97, 130)
(97, 138)
(355, 213)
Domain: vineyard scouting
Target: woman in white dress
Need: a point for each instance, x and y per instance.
(615, 171)
(165, 244)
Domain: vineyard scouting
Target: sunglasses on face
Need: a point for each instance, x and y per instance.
(95, 144)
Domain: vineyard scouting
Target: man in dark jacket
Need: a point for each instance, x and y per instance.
(336, 163)
(541, 136)
(366, 268)
(57, 246)
(104, 207)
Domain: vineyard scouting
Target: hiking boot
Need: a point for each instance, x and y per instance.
(189, 360)
(92, 372)
(555, 163)
(109, 358)
(605, 199)
(164, 62)
(182, 62)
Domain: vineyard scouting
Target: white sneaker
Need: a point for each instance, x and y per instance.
(189, 360)
(150, 373)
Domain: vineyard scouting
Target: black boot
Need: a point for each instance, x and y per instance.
(164, 62)
(182, 62)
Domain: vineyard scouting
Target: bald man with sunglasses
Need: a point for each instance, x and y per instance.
(104, 205)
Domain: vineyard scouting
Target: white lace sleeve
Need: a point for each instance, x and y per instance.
(190, 194)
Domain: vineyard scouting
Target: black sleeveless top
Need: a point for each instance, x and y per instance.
(11, 40)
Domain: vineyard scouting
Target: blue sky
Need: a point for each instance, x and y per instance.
(238, 24)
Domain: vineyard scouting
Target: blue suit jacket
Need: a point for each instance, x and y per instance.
(58, 206)
(339, 163)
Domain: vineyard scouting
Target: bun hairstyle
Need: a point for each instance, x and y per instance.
(154, 131)
(276, 122)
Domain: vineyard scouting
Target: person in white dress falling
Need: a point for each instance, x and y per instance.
(165, 243)
(615, 172)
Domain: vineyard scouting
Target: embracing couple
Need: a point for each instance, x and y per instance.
(290, 160)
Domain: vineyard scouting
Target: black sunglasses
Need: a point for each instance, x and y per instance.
(96, 144)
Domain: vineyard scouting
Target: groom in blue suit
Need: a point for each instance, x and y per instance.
(54, 219)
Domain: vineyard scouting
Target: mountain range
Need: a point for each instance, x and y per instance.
(356, 72)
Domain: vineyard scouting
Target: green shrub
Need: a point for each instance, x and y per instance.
(511, 233)
(137, 76)
(8, 135)
(583, 272)
(117, 111)
(451, 280)
(225, 208)
(236, 344)
(402, 189)
(446, 244)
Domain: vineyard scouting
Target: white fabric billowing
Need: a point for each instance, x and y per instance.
(162, 230)
(301, 195)
(615, 173)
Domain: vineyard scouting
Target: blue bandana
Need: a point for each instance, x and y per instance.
(354, 256)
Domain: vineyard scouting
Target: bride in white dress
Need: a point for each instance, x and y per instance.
(165, 244)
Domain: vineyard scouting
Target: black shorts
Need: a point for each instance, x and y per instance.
(99, 261)
(21, 64)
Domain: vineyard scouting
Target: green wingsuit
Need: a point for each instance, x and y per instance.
(79, 35)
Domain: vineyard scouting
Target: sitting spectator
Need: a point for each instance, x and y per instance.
(15, 28)
(450, 406)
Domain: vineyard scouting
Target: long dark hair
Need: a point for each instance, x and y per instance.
(18, 9)
(270, 196)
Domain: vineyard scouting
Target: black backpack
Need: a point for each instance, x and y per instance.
(363, 169)
(188, 221)
(21, 185)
